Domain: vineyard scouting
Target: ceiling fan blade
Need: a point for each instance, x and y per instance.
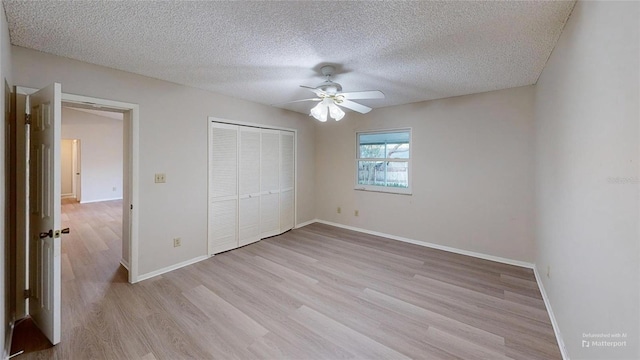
(295, 101)
(354, 106)
(316, 91)
(369, 94)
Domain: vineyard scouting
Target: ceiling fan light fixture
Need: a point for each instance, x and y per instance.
(335, 112)
(319, 112)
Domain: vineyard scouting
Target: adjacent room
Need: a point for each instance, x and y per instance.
(320, 179)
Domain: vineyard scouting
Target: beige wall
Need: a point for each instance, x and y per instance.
(101, 148)
(173, 140)
(472, 173)
(587, 147)
(475, 159)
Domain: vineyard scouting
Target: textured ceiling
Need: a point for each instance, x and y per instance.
(262, 51)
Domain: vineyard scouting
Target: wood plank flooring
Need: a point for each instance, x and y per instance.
(318, 292)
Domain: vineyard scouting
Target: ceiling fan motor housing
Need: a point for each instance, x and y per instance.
(327, 70)
(329, 86)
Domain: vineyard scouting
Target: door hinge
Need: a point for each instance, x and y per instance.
(27, 119)
(27, 293)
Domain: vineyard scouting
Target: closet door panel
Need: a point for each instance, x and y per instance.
(223, 159)
(223, 188)
(223, 226)
(287, 180)
(287, 151)
(249, 160)
(249, 221)
(249, 185)
(270, 161)
(269, 215)
(270, 183)
(286, 210)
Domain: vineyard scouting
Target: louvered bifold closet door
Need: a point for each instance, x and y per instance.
(287, 180)
(223, 187)
(249, 203)
(270, 183)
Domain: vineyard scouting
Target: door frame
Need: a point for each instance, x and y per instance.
(131, 131)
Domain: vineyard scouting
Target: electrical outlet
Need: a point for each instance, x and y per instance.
(177, 242)
(356, 213)
(549, 271)
(339, 210)
(160, 178)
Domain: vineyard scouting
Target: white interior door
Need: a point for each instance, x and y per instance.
(44, 197)
(223, 187)
(249, 184)
(270, 183)
(287, 180)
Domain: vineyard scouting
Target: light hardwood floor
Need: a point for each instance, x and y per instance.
(318, 292)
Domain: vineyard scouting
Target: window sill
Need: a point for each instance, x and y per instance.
(379, 189)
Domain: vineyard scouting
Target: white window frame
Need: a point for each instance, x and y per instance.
(384, 189)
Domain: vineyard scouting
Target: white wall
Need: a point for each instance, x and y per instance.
(173, 140)
(472, 173)
(5, 74)
(587, 147)
(101, 147)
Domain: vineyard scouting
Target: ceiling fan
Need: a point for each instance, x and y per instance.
(330, 98)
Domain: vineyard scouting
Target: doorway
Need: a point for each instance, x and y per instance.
(91, 159)
(130, 115)
(92, 154)
(93, 185)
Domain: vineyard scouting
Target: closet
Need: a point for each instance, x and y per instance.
(251, 184)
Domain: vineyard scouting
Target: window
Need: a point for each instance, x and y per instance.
(383, 161)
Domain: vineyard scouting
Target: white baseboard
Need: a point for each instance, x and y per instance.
(151, 274)
(66, 196)
(99, 200)
(305, 223)
(124, 263)
(554, 323)
(433, 246)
